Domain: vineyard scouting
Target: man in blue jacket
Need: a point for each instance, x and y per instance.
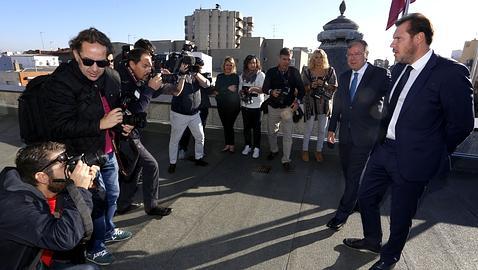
(26, 224)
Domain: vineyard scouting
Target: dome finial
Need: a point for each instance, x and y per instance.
(342, 8)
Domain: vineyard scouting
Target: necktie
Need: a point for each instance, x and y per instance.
(353, 86)
(398, 89)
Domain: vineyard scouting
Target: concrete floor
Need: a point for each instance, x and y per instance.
(230, 215)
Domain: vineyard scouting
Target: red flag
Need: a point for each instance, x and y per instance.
(396, 7)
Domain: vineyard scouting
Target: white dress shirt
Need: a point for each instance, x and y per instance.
(417, 68)
(360, 72)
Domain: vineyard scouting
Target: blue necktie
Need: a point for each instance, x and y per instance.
(353, 86)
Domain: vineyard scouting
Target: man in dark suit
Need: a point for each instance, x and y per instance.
(428, 112)
(357, 107)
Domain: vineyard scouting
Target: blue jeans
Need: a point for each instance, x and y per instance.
(104, 203)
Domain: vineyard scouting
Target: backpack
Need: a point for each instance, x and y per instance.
(31, 112)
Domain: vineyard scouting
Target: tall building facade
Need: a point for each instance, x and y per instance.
(217, 29)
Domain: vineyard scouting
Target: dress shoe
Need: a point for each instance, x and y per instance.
(159, 211)
(201, 162)
(335, 224)
(305, 156)
(319, 157)
(287, 166)
(382, 265)
(225, 149)
(272, 155)
(362, 245)
(172, 168)
(128, 208)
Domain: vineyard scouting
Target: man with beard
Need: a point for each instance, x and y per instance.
(428, 113)
(26, 224)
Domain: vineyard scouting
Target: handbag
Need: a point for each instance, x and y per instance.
(127, 154)
(298, 114)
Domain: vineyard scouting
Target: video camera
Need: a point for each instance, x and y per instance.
(172, 62)
(137, 120)
(246, 96)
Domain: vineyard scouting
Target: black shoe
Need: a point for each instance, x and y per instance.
(335, 224)
(172, 168)
(159, 211)
(287, 166)
(201, 162)
(382, 265)
(128, 208)
(272, 155)
(362, 245)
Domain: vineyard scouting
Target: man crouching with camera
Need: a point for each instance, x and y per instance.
(30, 233)
(138, 86)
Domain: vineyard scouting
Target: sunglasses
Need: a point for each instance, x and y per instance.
(63, 157)
(89, 62)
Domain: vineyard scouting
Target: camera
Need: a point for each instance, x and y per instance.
(284, 92)
(246, 96)
(137, 120)
(89, 159)
(320, 92)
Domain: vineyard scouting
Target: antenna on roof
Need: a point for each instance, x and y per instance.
(218, 6)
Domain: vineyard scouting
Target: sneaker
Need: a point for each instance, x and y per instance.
(181, 154)
(172, 168)
(100, 258)
(287, 166)
(247, 150)
(256, 153)
(201, 162)
(119, 235)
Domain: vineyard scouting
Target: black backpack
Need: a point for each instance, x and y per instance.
(31, 111)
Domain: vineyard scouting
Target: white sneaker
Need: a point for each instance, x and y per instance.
(181, 154)
(246, 150)
(256, 153)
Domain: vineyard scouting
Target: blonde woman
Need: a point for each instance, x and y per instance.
(320, 83)
(228, 101)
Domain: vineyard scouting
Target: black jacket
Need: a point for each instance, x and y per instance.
(26, 225)
(74, 107)
(359, 120)
(276, 80)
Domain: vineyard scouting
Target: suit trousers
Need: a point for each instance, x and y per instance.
(275, 121)
(147, 168)
(179, 122)
(381, 173)
(353, 159)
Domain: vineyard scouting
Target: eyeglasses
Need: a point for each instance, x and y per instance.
(100, 63)
(63, 157)
(351, 55)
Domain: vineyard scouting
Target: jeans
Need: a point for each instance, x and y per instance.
(309, 127)
(252, 122)
(104, 205)
(179, 122)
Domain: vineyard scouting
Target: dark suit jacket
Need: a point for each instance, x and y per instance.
(436, 116)
(360, 119)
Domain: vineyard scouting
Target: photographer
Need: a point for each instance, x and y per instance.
(185, 111)
(203, 111)
(320, 83)
(138, 87)
(284, 85)
(82, 98)
(30, 233)
(250, 85)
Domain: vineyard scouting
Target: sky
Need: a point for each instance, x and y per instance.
(32, 24)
